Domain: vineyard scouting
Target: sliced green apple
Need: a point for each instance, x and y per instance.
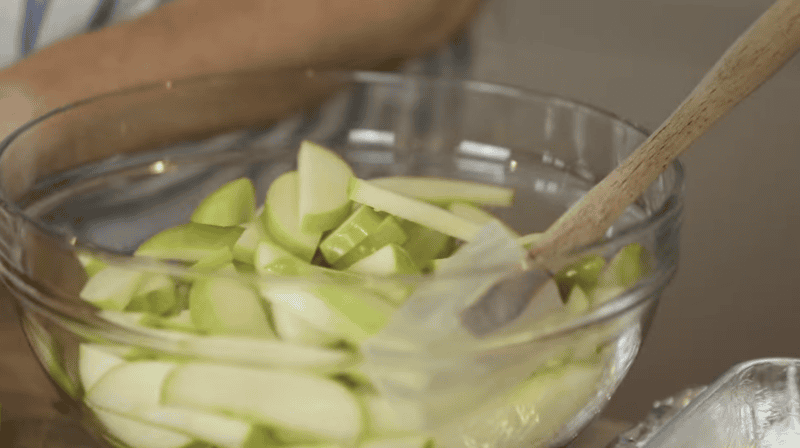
(134, 390)
(530, 239)
(424, 244)
(388, 232)
(439, 190)
(398, 416)
(294, 401)
(629, 265)
(413, 210)
(156, 294)
(583, 273)
(602, 294)
(189, 242)
(94, 360)
(353, 231)
(142, 321)
(545, 303)
(399, 442)
(91, 264)
(559, 394)
(180, 322)
(270, 258)
(230, 205)
(324, 178)
(349, 313)
(390, 260)
(135, 434)
(435, 264)
(291, 327)
(255, 351)
(130, 386)
(282, 219)
(221, 305)
(214, 260)
(476, 214)
(218, 431)
(578, 301)
(112, 288)
(244, 248)
(269, 353)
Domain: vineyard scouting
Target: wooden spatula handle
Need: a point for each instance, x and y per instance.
(752, 59)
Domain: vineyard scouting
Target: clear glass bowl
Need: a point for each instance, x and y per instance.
(101, 176)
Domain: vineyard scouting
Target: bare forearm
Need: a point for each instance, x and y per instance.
(191, 37)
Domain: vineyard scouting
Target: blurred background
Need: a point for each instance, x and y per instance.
(737, 293)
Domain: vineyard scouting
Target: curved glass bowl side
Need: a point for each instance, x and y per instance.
(125, 183)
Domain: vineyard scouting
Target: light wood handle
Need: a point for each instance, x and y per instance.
(752, 59)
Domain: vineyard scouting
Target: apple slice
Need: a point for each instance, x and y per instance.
(545, 304)
(555, 396)
(155, 295)
(189, 242)
(390, 260)
(244, 249)
(471, 212)
(94, 360)
(293, 401)
(293, 328)
(215, 260)
(628, 266)
(112, 288)
(583, 273)
(392, 417)
(443, 191)
(145, 322)
(130, 386)
(424, 244)
(435, 264)
(222, 305)
(270, 258)
(324, 178)
(259, 352)
(180, 322)
(413, 210)
(603, 294)
(230, 205)
(476, 214)
(255, 351)
(135, 434)
(355, 229)
(282, 217)
(91, 264)
(348, 313)
(400, 442)
(578, 301)
(530, 239)
(134, 390)
(217, 430)
(388, 232)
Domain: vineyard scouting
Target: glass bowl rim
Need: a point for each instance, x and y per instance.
(669, 207)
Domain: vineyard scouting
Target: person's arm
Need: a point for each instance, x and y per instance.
(192, 37)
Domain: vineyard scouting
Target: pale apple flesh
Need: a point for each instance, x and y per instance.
(282, 299)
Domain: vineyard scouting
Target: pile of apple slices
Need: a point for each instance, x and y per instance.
(285, 368)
